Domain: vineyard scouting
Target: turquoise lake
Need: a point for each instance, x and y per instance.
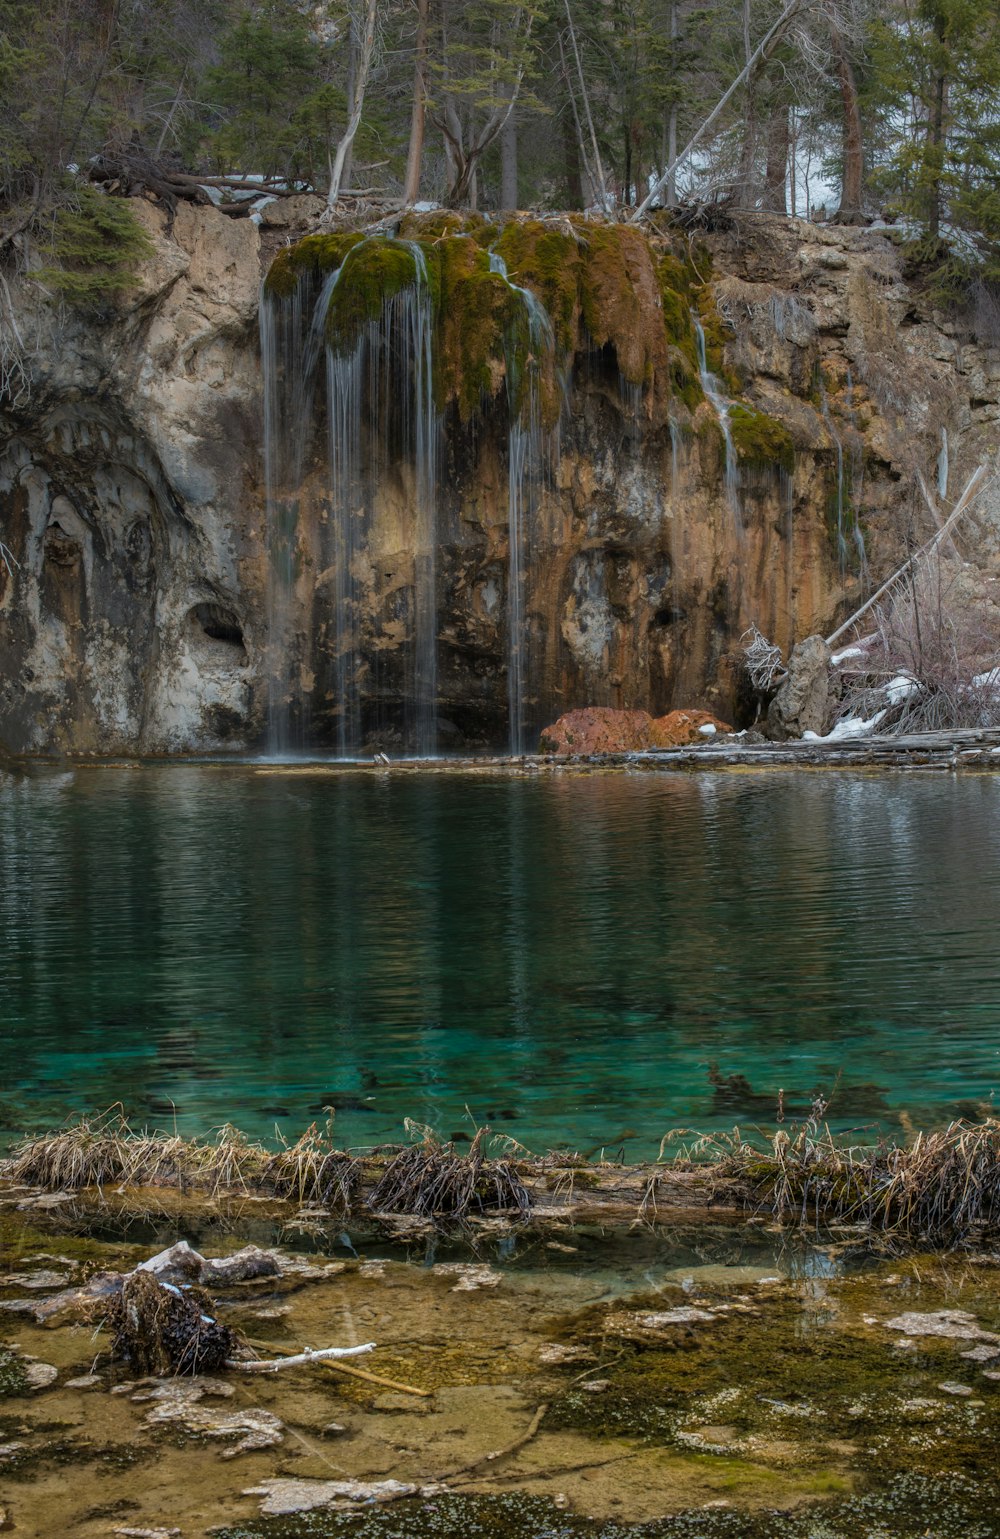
(578, 960)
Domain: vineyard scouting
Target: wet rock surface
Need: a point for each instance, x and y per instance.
(131, 494)
(618, 1388)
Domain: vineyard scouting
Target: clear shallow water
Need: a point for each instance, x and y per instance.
(565, 957)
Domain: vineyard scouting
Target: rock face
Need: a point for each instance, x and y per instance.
(134, 606)
(597, 730)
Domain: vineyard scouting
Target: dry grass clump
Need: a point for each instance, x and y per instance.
(430, 1180)
(106, 1150)
(100, 1151)
(312, 1171)
(942, 1190)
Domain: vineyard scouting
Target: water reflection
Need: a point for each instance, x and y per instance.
(565, 959)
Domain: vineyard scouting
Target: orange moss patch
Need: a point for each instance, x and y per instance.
(598, 729)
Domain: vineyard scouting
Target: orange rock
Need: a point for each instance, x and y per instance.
(598, 729)
(680, 727)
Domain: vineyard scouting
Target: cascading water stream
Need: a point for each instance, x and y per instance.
(525, 470)
(720, 405)
(839, 450)
(291, 341)
(381, 389)
(942, 466)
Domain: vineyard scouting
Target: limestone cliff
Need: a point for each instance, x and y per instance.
(137, 604)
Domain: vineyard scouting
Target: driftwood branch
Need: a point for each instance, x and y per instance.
(498, 1453)
(320, 1355)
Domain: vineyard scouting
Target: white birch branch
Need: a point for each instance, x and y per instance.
(321, 1354)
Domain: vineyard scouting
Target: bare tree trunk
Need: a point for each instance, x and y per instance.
(602, 186)
(748, 148)
(462, 162)
(672, 119)
(580, 156)
(763, 51)
(852, 182)
(365, 56)
(571, 162)
(508, 165)
(352, 86)
(776, 174)
(418, 113)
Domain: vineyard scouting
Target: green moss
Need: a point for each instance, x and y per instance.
(374, 272)
(480, 318)
(12, 1378)
(318, 254)
(759, 439)
(548, 261)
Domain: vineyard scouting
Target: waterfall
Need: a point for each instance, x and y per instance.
(839, 449)
(857, 482)
(344, 395)
(380, 392)
(942, 466)
(720, 405)
(380, 405)
(675, 456)
(526, 460)
(291, 340)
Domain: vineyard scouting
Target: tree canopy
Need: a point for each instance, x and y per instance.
(846, 108)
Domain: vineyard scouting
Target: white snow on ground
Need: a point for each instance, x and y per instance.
(840, 657)
(988, 680)
(707, 730)
(851, 726)
(898, 688)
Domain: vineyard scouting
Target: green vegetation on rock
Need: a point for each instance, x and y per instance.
(602, 285)
(95, 249)
(759, 439)
(315, 254)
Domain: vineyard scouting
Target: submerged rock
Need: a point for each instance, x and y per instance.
(282, 1497)
(956, 1324)
(254, 1428)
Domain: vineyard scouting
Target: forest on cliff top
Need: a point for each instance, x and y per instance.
(848, 109)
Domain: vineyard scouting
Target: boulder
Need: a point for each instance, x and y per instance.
(602, 729)
(804, 701)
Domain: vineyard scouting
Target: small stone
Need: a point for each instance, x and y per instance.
(85, 1381)
(44, 1279)
(594, 1386)
(666, 1317)
(147, 1533)
(40, 1375)
(10, 1451)
(560, 1500)
(555, 1352)
(283, 1497)
(950, 1388)
(334, 1429)
(985, 1353)
(471, 1275)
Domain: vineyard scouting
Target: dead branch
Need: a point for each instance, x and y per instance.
(274, 1364)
